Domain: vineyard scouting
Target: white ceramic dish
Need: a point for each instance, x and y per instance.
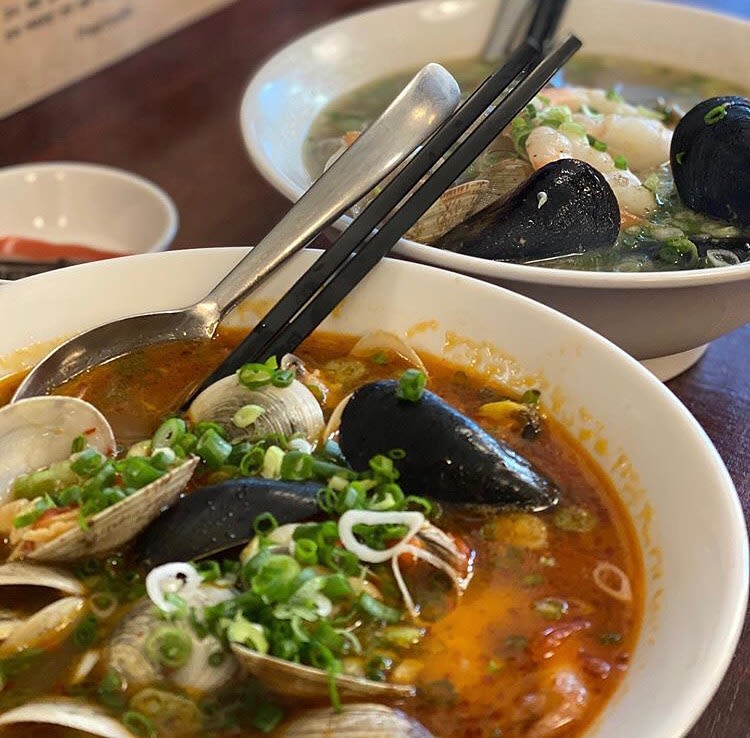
(649, 315)
(86, 204)
(667, 471)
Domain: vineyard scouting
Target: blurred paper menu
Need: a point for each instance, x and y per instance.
(47, 44)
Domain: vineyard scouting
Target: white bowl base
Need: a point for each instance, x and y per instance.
(668, 367)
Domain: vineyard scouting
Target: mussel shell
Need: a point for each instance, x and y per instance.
(220, 516)
(448, 456)
(711, 159)
(566, 207)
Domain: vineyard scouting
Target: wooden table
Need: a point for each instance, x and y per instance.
(170, 113)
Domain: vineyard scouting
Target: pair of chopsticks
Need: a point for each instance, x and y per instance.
(359, 248)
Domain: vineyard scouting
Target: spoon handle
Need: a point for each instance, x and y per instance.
(412, 117)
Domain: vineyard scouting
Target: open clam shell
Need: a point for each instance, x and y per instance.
(20, 573)
(46, 628)
(285, 410)
(454, 205)
(355, 721)
(38, 431)
(307, 682)
(126, 651)
(69, 714)
(118, 524)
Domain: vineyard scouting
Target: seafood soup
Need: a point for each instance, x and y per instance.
(357, 541)
(618, 166)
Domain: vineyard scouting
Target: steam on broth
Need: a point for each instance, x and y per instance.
(488, 620)
(617, 116)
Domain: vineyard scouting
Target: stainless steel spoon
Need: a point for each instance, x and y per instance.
(412, 117)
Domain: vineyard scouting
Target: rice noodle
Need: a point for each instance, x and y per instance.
(414, 521)
(177, 577)
(85, 665)
(408, 600)
(605, 571)
(460, 583)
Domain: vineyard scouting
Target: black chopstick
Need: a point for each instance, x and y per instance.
(545, 22)
(336, 272)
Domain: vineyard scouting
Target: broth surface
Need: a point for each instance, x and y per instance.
(533, 639)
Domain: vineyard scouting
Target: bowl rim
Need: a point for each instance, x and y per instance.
(701, 690)
(159, 195)
(483, 268)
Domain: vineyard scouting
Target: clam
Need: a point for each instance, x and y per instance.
(450, 209)
(67, 713)
(46, 628)
(220, 516)
(447, 455)
(38, 431)
(118, 524)
(566, 207)
(710, 158)
(126, 651)
(286, 410)
(355, 721)
(307, 682)
(50, 624)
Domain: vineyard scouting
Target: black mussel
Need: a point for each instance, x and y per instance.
(221, 516)
(710, 157)
(447, 455)
(564, 208)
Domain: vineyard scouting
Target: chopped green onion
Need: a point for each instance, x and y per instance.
(137, 723)
(282, 378)
(241, 630)
(336, 586)
(213, 449)
(79, 443)
(306, 552)
(209, 570)
(264, 524)
(551, 608)
(411, 385)
(531, 397)
(613, 95)
(252, 462)
(621, 162)
(86, 632)
(267, 717)
(217, 658)
(680, 157)
(255, 376)
(169, 646)
(721, 258)
(40, 507)
(716, 114)
(247, 415)
(275, 579)
(296, 466)
(110, 690)
(610, 639)
(380, 357)
(378, 610)
(595, 143)
(402, 636)
(532, 580)
(272, 462)
(138, 471)
(679, 251)
(397, 454)
(169, 433)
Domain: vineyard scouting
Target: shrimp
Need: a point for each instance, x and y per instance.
(627, 130)
(570, 697)
(546, 144)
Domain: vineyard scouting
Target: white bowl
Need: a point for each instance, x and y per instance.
(649, 315)
(672, 480)
(86, 204)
